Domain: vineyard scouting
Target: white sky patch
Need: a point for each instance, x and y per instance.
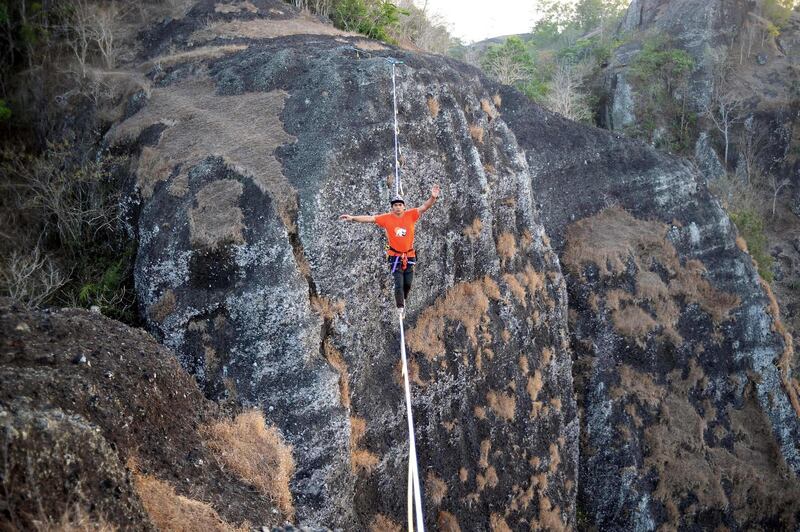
(472, 21)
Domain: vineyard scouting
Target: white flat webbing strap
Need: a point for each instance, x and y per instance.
(414, 492)
(398, 186)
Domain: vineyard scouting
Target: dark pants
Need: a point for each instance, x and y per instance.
(402, 279)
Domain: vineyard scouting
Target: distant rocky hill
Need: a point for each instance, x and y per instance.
(590, 342)
(734, 58)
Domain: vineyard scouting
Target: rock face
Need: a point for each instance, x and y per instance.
(762, 77)
(82, 398)
(689, 416)
(263, 125)
(251, 143)
(702, 28)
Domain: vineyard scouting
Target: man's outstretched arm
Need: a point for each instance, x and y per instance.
(435, 191)
(363, 218)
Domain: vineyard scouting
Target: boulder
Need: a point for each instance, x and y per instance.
(683, 366)
(88, 408)
(251, 144)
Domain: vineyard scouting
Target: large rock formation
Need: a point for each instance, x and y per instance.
(250, 144)
(263, 125)
(701, 28)
(729, 45)
(689, 414)
(86, 399)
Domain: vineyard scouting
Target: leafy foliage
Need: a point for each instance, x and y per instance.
(567, 44)
(661, 67)
(661, 76)
(5, 112)
(751, 228)
(778, 12)
(373, 18)
(62, 242)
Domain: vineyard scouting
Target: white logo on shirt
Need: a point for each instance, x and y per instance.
(399, 231)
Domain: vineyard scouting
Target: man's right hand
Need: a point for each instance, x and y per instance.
(346, 218)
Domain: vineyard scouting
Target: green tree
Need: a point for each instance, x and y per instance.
(510, 62)
(778, 12)
(373, 18)
(661, 75)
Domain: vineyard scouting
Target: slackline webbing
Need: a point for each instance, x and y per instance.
(398, 186)
(414, 493)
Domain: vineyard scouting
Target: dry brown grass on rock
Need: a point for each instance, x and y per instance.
(486, 107)
(202, 53)
(639, 385)
(433, 106)
(609, 238)
(473, 230)
(634, 322)
(790, 385)
(217, 220)
(483, 460)
(532, 279)
(257, 454)
(550, 517)
(476, 132)
(534, 385)
(502, 404)
(362, 461)
(369, 46)
(263, 28)
(381, 523)
(447, 522)
(516, 288)
(613, 239)
(506, 247)
(236, 7)
(491, 289)
(335, 359)
(689, 469)
(498, 524)
(173, 512)
(202, 123)
(466, 303)
(435, 488)
(741, 243)
(326, 307)
(162, 308)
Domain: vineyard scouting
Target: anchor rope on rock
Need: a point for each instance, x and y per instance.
(398, 185)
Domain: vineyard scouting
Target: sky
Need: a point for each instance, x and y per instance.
(473, 20)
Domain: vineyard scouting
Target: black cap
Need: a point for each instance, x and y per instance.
(397, 199)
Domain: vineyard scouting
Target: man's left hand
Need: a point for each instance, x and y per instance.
(435, 191)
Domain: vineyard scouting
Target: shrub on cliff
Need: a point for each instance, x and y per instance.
(61, 240)
(373, 18)
(661, 74)
(751, 228)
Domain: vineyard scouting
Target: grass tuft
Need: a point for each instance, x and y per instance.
(257, 454)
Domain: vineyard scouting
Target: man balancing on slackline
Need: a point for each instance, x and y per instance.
(399, 226)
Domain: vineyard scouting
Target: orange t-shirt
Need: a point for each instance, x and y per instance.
(399, 230)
